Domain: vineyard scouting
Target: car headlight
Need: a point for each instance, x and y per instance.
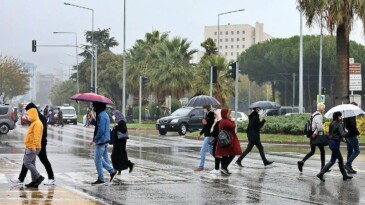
(158, 121)
(174, 121)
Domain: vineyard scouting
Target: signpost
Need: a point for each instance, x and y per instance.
(355, 77)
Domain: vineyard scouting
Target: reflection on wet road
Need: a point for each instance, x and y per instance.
(164, 173)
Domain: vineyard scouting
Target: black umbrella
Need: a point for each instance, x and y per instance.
(265, 105)
(199, 101)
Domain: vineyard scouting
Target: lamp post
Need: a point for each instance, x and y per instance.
(124, 62)
(77, 65)
(92, 40)
(220, 14)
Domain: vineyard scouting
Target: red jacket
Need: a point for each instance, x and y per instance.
(229, 126)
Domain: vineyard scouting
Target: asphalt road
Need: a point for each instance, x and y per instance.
(164, 174)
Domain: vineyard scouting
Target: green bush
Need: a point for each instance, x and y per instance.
(293, 124)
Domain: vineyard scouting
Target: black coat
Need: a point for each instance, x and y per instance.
(254, 126)
(210, 121)
(350, 124)
(337, 131)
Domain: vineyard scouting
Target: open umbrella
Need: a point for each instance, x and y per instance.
(91, 97)
(201, 100)
(347, 110)
(265, 105)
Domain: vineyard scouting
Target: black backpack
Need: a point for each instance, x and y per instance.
(308, 127)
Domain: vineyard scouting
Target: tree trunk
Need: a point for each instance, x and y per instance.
(341, 90)
(273, 90)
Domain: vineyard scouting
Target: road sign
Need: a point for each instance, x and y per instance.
(321, 99)
(355, 77)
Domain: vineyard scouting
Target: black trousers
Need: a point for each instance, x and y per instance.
(119, 155)
(44, 159)
(313, 150)
(226, 160)
(249, 148)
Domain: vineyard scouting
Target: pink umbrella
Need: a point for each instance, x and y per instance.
(91, 97)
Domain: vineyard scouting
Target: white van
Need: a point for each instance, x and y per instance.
(69, 114)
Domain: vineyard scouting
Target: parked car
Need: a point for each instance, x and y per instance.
(241, 116)
(24, 119)
(283, 110)
(182, 120)
(69, 114)
(6, 122)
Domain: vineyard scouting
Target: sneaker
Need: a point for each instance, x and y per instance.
(16, 181)
(225, 172)
(199, 169)
(238, 163)
(131, 168)
(112, 175)
(214, 171)
(50, 182)
(97, 182)
(38, 181)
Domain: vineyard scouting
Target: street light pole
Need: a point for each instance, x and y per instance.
(301, 65)
(77, 65)
(229, 12)
(92, 40)
(124, 62)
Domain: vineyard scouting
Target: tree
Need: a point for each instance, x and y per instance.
(102, 40)
(210, 47)
(61, 93)
(13, 79)
(339, 17)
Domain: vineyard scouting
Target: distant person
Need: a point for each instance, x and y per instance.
(208, 121)
(51, 117)
(42, 155)
(15, 113)
(253, 135)
(60, 117)
(158, 113)
(146, 114)
(337, 133)
(45, 112)
(352, 142)
(100, 140)
(317, 128)
(130, 114)
(119, 153)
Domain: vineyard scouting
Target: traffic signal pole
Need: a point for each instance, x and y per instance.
(211, 81)
(140, 100)
(236, 95)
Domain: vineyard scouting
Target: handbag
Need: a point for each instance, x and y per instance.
(212, 140)
(320, 140)
(224, 140)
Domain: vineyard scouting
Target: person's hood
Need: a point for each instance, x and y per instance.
(224, 113)
(32, 114)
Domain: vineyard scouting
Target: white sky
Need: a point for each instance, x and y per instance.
(24, 20)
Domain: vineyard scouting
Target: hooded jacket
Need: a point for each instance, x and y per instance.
(254, 126)
(33, 137)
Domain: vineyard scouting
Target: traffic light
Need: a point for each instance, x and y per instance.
(215, 74)
(323, 91)
(232, 70)
(144, 81)
(92, 89)
(34, 45)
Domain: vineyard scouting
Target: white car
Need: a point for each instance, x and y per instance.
(241, 116)
(69, 114)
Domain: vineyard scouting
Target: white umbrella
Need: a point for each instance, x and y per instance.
(347, 110)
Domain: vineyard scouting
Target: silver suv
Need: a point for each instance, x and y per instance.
(6, 123)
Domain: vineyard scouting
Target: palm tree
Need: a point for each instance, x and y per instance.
(338, 15)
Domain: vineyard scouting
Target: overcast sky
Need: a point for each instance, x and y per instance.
(24, 20)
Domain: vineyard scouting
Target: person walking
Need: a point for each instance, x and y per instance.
(51, 118)
(158, 113)
(45, 112)
(33, 147)
(42, 155)
(119, 155)
(317, 128)
(229, 152)
(352, 142)
(253, 134)
(101, 139)
(146, 114)
(214, 132)
(208, 121)
(60, 117)
(337, 133)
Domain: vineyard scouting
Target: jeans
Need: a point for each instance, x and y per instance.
(352, 150)
(336, 153)
(101, 160)
(203, 151)
(29, 162)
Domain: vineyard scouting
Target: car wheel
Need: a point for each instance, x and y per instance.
(183, 128)
(162, 132)
(75, 122)
(4, 129)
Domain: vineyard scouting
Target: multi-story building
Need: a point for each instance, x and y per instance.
(234, 39)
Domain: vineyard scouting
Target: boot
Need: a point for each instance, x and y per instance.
(345, 177)
(300, 166)
(324, 170)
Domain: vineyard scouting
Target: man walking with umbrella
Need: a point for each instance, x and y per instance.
(353, 149)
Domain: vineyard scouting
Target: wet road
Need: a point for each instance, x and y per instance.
(164, 174)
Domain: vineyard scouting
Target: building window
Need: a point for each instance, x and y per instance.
(243, 39)
(232, 39)
(220, 33)
(226, 39)
(243, 46)
(220, 40)
(238, 39)
(232, 46)
(238, 53)
(226, 53)
(238, 32)
(226, 32)
(231, 53)
(232, 32)
(226, 47)
(215, 33)
(220, 47)
(215, 40)
(243, 32)
(238, 46)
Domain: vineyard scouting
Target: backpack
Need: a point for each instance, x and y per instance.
(308, 127)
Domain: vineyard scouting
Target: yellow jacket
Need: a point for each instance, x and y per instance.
(34, 134)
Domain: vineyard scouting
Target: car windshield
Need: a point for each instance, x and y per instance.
(68, 111)
(181, 112)
(233, 115)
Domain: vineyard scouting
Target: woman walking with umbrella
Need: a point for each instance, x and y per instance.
(119, 154)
